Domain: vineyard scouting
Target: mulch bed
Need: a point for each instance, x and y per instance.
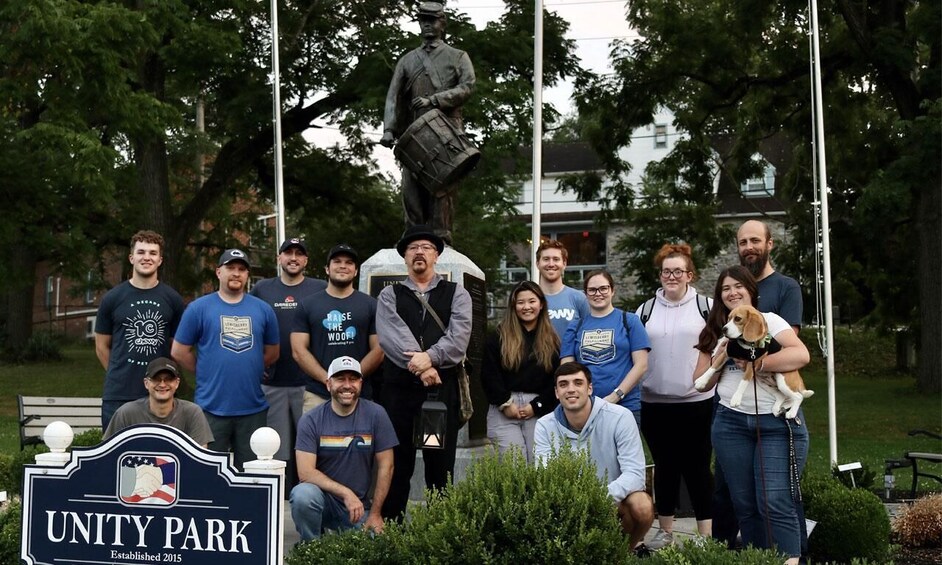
(917, 556)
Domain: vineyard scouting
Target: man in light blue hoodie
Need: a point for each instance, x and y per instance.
(610, 435)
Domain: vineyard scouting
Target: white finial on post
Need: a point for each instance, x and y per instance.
(58, 437)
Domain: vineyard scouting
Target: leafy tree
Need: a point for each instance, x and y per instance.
(739, 71)
(109, 91)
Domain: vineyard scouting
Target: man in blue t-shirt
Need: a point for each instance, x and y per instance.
(283, 383)
(338, 321)
(235, 337)
(563, 304)
(135, 324)
(339, 444)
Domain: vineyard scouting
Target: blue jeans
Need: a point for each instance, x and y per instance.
(314, 510)
(761, 482)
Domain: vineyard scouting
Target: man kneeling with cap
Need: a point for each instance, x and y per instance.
(160, 406)
(338, 444)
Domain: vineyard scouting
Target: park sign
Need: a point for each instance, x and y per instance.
(150, 495)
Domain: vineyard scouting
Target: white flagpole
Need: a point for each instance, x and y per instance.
(825, 233)
(537, 136)
(276, 111)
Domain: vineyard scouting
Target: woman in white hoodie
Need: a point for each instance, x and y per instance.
(675, 417)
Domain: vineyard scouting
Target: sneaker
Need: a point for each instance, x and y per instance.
(661, 540)
(642, 551)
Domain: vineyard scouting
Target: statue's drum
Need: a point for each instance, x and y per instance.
(436, 152)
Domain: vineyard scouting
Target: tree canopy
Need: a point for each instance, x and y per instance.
(740, 71)
(100, 136)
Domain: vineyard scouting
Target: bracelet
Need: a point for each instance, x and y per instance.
(762, 365)
(509, 402)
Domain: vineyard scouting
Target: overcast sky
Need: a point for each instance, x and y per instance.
(593, 26)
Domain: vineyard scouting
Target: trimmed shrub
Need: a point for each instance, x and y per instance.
(920, 525)
(503, 512)
(11, 467)
(10, 514)
(88, 438)
(709, 552)
(852, 523)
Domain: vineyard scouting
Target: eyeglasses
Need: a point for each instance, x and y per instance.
(423, 247)
(157, 379)
(676, 273)
(598, 290)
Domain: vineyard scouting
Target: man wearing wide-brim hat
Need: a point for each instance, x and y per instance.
(421, 359)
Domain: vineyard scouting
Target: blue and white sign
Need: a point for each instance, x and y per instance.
(150, 495)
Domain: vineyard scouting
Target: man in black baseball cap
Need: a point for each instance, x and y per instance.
(321, 333)
(160, 406)
(234, 256)
(283, 383)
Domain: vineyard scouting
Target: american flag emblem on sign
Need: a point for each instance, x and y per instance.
(147, 479)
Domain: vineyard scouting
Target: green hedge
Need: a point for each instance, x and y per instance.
(852, 523)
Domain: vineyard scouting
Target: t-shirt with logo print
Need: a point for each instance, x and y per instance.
(141, 323)
(338, 327)
(230, 342)
(285, 300)
(565, 306)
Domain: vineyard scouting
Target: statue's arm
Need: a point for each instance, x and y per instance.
(457, 95)
(392, 101)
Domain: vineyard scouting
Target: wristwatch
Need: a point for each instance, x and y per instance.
(619, 393)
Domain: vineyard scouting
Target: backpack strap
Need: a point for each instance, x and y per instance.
(646, 311)
(703, 304)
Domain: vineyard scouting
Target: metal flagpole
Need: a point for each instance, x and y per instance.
(825, 232)
(276, 111)
(537, 136)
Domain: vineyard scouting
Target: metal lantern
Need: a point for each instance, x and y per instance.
(431, 424)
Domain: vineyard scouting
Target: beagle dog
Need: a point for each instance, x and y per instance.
(748, 339)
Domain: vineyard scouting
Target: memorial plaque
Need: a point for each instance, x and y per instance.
(150, 495)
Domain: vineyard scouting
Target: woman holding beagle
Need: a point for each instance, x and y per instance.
(761, 455)
(669, 402)
(612, 342)
(517, 373)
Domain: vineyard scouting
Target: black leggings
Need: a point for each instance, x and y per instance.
(678, 436)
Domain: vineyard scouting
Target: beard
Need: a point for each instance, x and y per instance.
(340, 283)
(755, 262)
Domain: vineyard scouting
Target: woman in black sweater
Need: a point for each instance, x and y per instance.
(517, 374)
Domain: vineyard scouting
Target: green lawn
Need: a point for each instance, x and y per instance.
(876, 405)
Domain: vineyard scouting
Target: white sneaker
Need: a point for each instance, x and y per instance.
(661, 540)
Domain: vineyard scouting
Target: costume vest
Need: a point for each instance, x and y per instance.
(423, 327)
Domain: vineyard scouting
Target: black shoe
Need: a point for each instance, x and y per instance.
(642, 551)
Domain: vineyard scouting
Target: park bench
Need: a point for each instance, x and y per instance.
(912, 459)
(37, 412)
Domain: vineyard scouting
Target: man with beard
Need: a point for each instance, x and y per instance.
(777, 293)
(283, 383)
(134, 325)
(236, 337)
(421, 359)
(339, 444)
(338, 321)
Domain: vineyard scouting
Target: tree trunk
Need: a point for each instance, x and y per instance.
(18, 295)
(929, 275)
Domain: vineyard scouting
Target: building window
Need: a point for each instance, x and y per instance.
(50, 292)
(761, 186)
(90, 288)
(660, 136)
(586, 249)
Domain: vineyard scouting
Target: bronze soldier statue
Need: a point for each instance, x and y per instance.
(423, 111)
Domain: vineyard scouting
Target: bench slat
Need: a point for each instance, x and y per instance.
(28, 403)
(64, 411)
